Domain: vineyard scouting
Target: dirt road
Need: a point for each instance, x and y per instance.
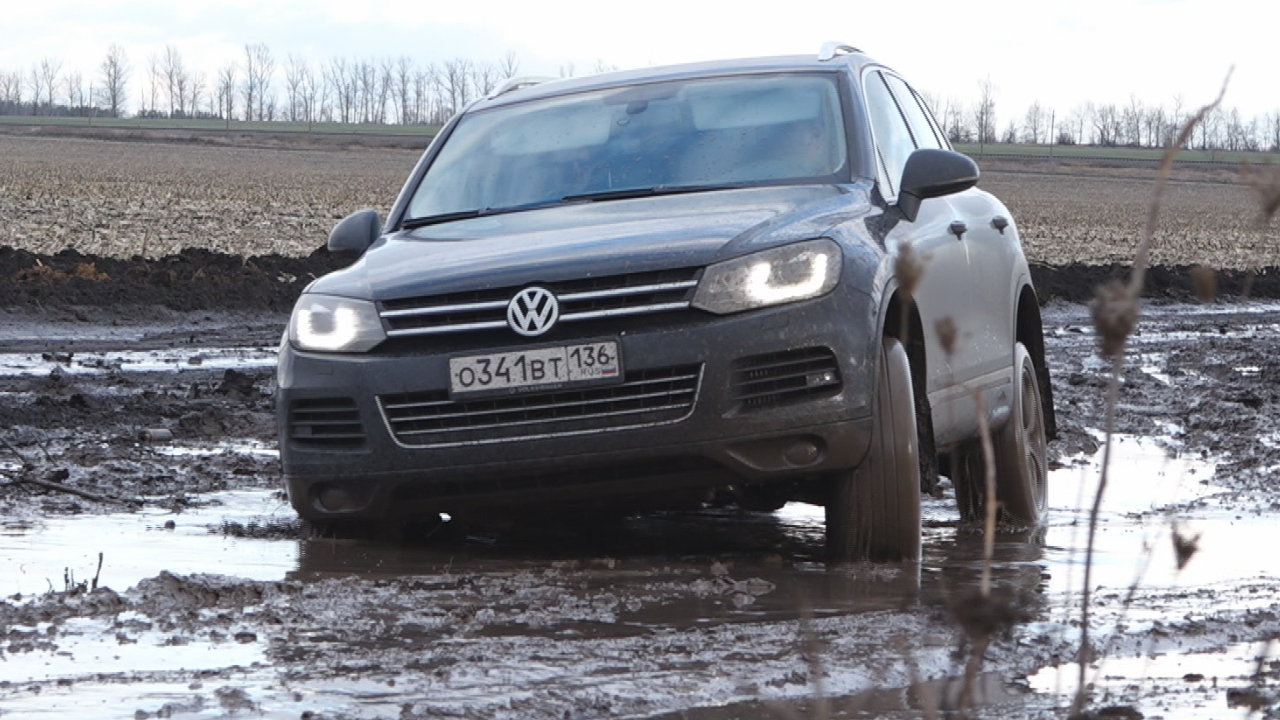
(168, 578)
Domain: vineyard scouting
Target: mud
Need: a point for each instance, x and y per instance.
(167, 577)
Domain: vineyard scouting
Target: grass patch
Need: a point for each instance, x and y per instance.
(1128, 154)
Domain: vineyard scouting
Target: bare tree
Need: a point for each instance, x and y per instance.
(1078, 119)
(508, 64)
(314, 96)
(453, 82)
(603, 67)
(226, 92)
(423, 100)
(566, 70)
(154, 76)
(340, 77)
(1210, 129)
(175, 80)
(401, 90)
(50, 68)
(1173, 125)
(1133, 114)
(35, 81)
(1233, 130)
(955, 123)
(366, 88)
(76, 100)
(984, 114)
(484, 78)
(1010, 133)
(196, 91)
(296, 73)
(1034, 125)
(259, 66)
(386, 76)
(1153, 122)
(115, 79)
(1107, 124)
(11, 92)
(1273, 131)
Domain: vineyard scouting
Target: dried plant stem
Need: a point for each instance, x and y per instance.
(989, 479)
(1129, 298)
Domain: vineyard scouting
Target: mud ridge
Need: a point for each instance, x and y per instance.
(198, 279)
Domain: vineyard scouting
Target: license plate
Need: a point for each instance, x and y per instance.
(536, 369)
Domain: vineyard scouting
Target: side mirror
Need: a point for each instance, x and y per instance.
(356, 232)
(933, 173)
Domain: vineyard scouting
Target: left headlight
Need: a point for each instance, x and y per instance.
(324, 323)
(770, 277)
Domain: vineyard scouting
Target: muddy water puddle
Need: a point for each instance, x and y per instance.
(41, 554)
(738, 581)
(76, 363)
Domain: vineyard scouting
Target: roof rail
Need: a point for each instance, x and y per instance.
(516, 83)
(830, 50)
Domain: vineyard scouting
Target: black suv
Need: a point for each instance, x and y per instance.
(766, 280)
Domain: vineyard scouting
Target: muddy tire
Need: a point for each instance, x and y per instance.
(1021, 457)
(873, 510)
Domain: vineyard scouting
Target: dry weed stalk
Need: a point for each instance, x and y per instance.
(1115, 311)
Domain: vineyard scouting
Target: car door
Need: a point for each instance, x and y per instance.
(944, 291)
(985, 323)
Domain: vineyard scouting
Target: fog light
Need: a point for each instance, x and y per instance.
(335, 499)
(801, 453)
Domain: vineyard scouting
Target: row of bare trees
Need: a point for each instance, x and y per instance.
(1133, 124)
(374, 90)
(402, 91)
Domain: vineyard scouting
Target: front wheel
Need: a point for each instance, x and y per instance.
(1021, 457)
(873, 511)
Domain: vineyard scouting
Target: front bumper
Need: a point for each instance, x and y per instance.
(346, 452)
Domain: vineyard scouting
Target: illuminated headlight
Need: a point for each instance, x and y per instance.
(324, 323)
(772, 277)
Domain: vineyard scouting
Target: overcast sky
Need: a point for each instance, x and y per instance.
(1060, 53)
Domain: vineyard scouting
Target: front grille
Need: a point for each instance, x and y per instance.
(763, 381)
(586, 299)
(645, 470)
(325, 422)
(646, 397)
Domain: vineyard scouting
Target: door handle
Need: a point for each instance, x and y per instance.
(958, 228)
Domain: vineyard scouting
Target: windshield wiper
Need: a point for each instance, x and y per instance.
(413, 223)
(622, 194)
(418, 222)
(628, 193)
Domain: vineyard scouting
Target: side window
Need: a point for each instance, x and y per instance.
(893, 139)
(921, 129)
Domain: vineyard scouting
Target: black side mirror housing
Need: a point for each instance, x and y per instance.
(931, 173)
(355, 232)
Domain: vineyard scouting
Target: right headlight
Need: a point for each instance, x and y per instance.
(771, 277)
(325, 323)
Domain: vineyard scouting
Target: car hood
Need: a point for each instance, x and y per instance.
(592, 239)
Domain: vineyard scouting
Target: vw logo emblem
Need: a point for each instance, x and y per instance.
(533, 311)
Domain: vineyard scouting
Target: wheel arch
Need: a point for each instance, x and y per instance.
(1029, 331)
(901, 321)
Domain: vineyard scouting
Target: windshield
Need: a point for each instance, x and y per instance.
(665, 136)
